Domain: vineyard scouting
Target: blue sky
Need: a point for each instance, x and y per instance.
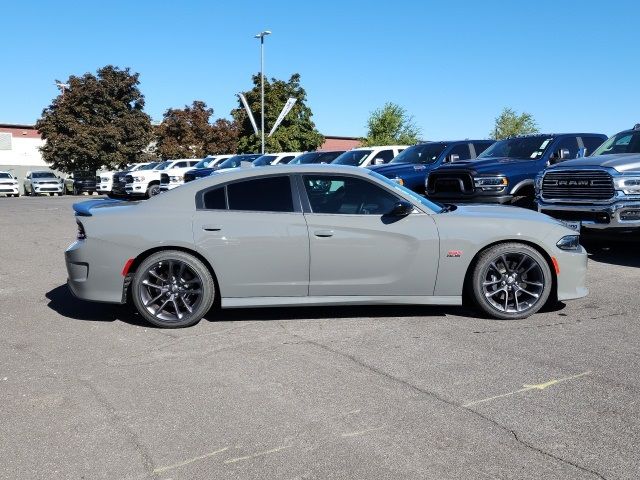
(453, 65)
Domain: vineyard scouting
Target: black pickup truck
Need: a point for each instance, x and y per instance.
(79, 182)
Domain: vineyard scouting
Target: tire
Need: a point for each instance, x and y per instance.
(157, 298)
(153, 190)
(526, 282)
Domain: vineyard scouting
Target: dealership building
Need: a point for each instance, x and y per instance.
(20, 148)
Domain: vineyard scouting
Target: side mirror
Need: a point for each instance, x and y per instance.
(564, 153)
(454, 157)
(378, 161)
(401, 209)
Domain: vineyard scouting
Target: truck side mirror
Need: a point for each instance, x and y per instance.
(378, 161)
(454, 157)
(564, 154)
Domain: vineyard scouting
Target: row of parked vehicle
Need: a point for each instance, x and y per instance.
(582, 179)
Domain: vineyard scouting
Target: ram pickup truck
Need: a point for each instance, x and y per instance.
(411, 166)
(505, 172)
(146, 183)
(597, 193)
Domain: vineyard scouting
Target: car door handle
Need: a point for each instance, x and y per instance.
(211, 228)
(323, 233)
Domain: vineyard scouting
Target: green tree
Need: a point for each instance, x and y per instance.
(187, 133)
(98, 121)
(297, 132)
(391, 125)
(509, 124)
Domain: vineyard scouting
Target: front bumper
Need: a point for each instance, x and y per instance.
(8, 189)
(103, 187)
(136, 189)
(164, 187)
(572, 276)
(593, 216)
(46, 188)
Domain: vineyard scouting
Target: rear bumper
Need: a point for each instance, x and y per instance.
(592, 216)
(92, 275)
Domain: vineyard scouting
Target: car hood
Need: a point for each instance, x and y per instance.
(391, 169)
(500, 213)
(45, 180)
(488, 165)
(622, 162)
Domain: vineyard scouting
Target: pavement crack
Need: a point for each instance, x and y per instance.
(527, 327)
(451, 403)
(118, 422)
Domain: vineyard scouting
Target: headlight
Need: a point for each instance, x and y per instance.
(491, 183)
(138, 179)
(570, 242)
(176, 178)
(629, 185)
(538, 182)
(104, 179)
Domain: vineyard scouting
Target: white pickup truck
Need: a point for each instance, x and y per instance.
(365, 156)
(146, 183)
(175, 177)
(104, 178)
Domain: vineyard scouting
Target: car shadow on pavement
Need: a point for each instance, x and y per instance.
(62, 301)
(342, 312)
(624, 253)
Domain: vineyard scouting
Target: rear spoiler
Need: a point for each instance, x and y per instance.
(83, 209)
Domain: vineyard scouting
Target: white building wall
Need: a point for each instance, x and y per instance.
(24, 152)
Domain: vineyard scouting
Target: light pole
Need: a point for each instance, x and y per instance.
(261, 36)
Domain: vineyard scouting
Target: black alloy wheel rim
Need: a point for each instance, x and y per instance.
(171, 290)
(513, 283)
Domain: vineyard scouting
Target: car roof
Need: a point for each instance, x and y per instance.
(555, 135)
(186, 191)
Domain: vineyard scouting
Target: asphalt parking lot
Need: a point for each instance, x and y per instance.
(90, 391)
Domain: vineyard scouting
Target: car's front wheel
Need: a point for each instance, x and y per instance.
(173, 289)
(153, 190)
(511, 281)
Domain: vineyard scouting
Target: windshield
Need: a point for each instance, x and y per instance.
(204, 163)
(235, 162)
(434, 207)
(5, 175)
(305, 158)
(423, 153)
(163, 165)
(150, 166)
(624, 142)
(43, 175)
(264, 160)
(524, 148)
(352, 157)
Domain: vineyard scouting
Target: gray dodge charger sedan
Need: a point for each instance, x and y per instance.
(316, 235)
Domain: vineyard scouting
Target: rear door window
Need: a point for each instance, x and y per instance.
(270, 194)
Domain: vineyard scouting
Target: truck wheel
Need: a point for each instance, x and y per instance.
(511, 281)
(153, 190)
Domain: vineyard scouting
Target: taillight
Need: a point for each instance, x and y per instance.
(81, 234)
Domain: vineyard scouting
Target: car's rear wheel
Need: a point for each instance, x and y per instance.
(173, 289)
(511, 281)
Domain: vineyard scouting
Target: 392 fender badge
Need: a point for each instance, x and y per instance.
(454, 253)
